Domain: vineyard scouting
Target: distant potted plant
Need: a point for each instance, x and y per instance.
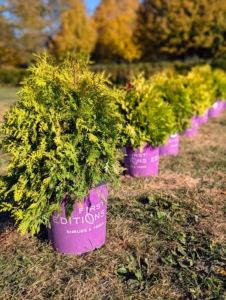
(219, 77)
(201, 89)
(174, 92)
(62, 135)
(149, 121)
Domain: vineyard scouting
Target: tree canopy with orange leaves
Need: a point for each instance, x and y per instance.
(75, 31)
(118, 30)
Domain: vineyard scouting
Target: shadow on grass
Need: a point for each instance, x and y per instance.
(6, 222)
(42, 236)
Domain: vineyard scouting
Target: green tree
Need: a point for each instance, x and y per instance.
(175, 28)
(115, 24)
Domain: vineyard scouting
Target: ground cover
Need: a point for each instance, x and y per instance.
(166, 236)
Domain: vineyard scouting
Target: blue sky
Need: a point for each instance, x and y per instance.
(91, 5)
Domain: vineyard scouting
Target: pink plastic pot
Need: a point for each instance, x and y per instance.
(172, 146)
(221, 106)
(214, 110)
(85, 230)
(143, 163)
(202, 118)
(193, 130)
(224, 104)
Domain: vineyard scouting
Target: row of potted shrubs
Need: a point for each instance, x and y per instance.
(65, 135)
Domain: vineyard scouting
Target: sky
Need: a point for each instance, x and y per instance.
(91, 5)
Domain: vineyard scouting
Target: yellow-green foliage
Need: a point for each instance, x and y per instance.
(200, 86)
(174, 92)
(148, 118)
(219, 77)
(62, 136)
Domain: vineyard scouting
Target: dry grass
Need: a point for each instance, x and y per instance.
(167, 232)
(167, 180)
(7, 98)
(4, 159)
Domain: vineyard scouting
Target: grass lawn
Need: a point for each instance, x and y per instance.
(166, 236)
(7, 97)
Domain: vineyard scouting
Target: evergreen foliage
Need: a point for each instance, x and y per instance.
(174, 93)
(148, 119)
(62, 135)
(219, 77)
(200, 86)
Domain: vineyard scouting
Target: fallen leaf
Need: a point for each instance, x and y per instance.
(221, 272)
(223, 192)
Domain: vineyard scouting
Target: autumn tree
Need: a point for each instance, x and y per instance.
(8, 52)
(175, 28)
(115, 23)
(74, 32)
(26, 22)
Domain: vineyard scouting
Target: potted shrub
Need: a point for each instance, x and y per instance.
(149, 121)
(201, 90)
(62, 135)
(219, 77)
(173, 91)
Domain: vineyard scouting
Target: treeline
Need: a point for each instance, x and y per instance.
(121, 73)
(118, 30)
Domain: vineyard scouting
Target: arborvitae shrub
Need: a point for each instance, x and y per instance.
(148, 119)
(173, 91)
(200, 87)
(219, 77)
(62, 135)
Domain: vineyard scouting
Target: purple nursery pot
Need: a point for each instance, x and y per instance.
(224, 104)
(214, 110)
(85, 230)
(201, 119)
(221, 105)
(172, 146)
(193, 130)
(143, 163)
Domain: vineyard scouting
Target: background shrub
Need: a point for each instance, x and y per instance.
(12, 76)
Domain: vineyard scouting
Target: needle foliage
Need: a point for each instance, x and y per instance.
(147, 118)
(174, 93)
(62, 135)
